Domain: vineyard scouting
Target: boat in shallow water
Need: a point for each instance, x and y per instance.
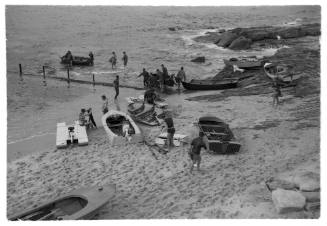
(76, 205)
(77, 60)
(196, 84)
(121, 128)
(220, 138)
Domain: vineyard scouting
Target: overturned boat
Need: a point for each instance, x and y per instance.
(121, 128)
(76, 205)
(196, 84)
(220, 138)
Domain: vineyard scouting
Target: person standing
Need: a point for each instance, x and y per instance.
(146, 76)
(116, 85)
(165, 76)
(91, 58)
(277, 93)
(161, 80)
(125, 59)
(104, 104)
(91, 119)
(180, 77)
(170, 129)
(113, 60)
(195, 151)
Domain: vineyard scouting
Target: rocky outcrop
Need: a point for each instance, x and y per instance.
(200, 59)
(245, 36)
(286, 201)
(240, 43)
(226, 39)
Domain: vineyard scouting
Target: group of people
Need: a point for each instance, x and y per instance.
(161, 78)
(113, 60)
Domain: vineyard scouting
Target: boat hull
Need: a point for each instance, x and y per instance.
(206, 86)
(219, 138)
(115, 139)
(95, 197)
(244, 64)
(147, 116)
(77, 61)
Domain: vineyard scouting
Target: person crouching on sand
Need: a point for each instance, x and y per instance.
(195, 151)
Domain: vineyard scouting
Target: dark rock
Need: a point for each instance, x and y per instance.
(172, 28)
(221, 31)
(199, 59)
(240, 43)
(226, 39)
(311, 196)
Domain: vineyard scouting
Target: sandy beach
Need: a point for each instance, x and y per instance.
(273, 141)
(278, 142)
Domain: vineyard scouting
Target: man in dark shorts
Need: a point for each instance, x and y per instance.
(116, 85)
(170, 130)
(195, 151)
(146, 77)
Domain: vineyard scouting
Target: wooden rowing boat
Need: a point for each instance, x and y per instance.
(220, 138)
(76, 205)
(247, 63)
(210, 84)
(281, 73)
(144, 114)
(77, 60)
(115, 122)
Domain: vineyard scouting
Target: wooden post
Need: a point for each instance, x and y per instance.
(43, 68)
(93, 79)
(68, 80)
(20, 69)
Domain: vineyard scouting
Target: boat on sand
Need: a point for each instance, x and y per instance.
(220, 138)
(143, 113)
(245, 63)
(196, 84)
(279, 73)
(121, 128)
(76, 205)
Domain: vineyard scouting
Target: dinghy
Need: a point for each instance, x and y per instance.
(143, 113)
(219, 137)
(72, 134)
(121, 128)
(245, 63)
(281, 73)
(201, 84)
(77, 205)
(77, 60)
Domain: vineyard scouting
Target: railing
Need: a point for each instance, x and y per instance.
(69, 79)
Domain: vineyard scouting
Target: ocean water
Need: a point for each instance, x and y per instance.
(39, 35)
